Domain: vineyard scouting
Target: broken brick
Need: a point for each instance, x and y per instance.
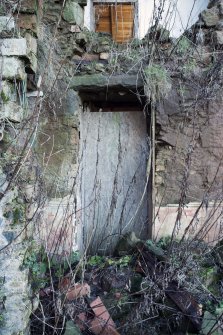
(78, 291)
(102, 323)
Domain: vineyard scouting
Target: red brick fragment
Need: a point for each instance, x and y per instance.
(65, 284)
(78, 291)
(102, 324)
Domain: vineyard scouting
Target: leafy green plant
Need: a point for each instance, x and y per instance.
(15, 211)
(121, 262)
(183, 45)
(157, 81)
(164, 242)
(37, 264)
(96, 261)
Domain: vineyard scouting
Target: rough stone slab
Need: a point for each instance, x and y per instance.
(98, 81)
(73, 13)
(28, 6)
(7, 92)
(28, 22)
(17, 291)
(218, 37)
(12, 112)
(210, 16)
(81, 2)
(12, 68)
(32, 51)
(6, 23)
(13, 47)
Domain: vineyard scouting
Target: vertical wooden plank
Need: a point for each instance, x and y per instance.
(102, 18)
(122, 17)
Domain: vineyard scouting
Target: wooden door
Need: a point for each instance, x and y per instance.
(113, 198)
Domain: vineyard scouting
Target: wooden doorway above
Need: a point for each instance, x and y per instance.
(117, 19)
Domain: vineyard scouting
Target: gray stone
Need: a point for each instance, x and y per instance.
(12, 68)
(12, 111)
(8, 92)
(81, 2)
(9, 235)
(71, 105)
(99, 67)
(16, 290)
(126, 244)
(219, 25)
(73, 13)
(34, 94)
(210, 16)
(218, 37)
(13, 47)
(81, 38)
(221, 7)
(104, 55)
(28, 6)
(3, 186)
(95, 81)
(6, 23)
(75, 29)
(32, 51)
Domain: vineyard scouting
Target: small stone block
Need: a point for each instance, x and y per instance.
(73, 13)
(28, 6)
(6, 23)
(104, 55)
(210, 16)
(28, 22)
(32, 51)
(12, 68)
(8, 92)
(12, 112)
(13, 47)
(75, 29)
(218, 37)
(34, 94)
(90, 57)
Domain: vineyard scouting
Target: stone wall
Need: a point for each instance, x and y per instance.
(45, 53)
(39, 144)
(189, 165)
(18, 56)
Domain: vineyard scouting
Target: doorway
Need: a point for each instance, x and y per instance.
(113, 182)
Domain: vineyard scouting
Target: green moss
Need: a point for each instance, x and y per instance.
(4, 97)
(184, 45)
(157, 80)
(36, 262)
(15, 211)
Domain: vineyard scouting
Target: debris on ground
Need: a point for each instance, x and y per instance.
(145, 289)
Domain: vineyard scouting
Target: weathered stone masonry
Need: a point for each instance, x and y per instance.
(189, 122)
(45, 61)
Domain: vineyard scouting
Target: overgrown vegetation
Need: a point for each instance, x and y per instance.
(135, 288)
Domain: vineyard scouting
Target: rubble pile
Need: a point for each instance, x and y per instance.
(147, 288)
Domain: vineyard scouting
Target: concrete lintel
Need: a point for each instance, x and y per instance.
(94, 82)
